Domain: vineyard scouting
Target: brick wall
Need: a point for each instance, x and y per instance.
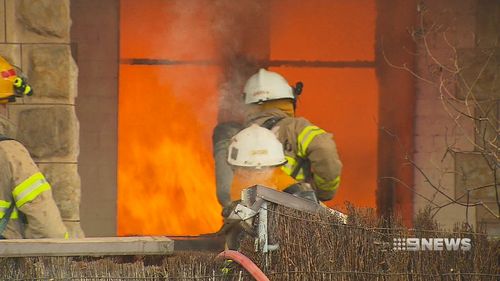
(457, 42)
(35, 36)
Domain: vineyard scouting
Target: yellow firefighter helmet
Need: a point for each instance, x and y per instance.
(11, 84)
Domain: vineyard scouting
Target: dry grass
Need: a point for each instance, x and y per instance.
(318, 247)
(311, 247)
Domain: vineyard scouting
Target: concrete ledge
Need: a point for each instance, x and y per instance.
(105, 246)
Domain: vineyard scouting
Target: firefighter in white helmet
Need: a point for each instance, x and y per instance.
(310, 151)
(256, 156)
(27, 208)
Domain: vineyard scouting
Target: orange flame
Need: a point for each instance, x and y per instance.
(166, 172)
(166, 114)
(166, 182)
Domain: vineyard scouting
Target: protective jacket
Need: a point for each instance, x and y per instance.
(35, 213)
(311, 152)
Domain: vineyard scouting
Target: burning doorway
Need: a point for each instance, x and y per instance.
(177, 60)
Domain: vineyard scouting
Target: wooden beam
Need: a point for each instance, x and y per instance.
(258, 63)
(103, 246)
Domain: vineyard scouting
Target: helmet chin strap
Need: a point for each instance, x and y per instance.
(297, 91)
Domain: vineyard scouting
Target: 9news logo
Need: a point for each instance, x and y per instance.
(431, 244)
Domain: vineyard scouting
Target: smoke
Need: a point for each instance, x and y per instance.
(241, 31)
(231, 37)
(204, 52)
(245, 177)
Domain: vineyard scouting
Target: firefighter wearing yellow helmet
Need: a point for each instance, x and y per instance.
(12, 85)
(310, 151)
(27, 208)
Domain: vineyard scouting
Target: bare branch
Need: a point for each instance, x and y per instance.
(404, 67)
(410, 188)
(447, 75)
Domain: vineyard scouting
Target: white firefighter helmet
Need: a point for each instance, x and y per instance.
(255, 147)
(266, 85)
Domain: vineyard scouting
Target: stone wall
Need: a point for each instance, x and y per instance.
(35, 36)
(457, 110)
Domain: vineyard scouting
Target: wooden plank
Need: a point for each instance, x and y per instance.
(102, 246)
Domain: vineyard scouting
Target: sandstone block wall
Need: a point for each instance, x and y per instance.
(457, 110)
(35, 36)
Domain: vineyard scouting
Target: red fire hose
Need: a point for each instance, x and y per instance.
(247, 264)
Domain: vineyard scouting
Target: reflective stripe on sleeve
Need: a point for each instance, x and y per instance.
(289, 167)
(29, 189)
(332, 185)
(306, 137)
(290, 164)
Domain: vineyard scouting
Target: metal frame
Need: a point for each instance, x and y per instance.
(257, 198)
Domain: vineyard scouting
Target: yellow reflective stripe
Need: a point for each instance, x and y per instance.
(290, 166)
(304, 132)
(29, 189)
(4, 205)
(310, 138)
(306, 137)
(332, 185)
(15, 214)
(27, 184)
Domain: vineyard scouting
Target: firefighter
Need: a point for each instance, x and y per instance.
(310, 151)
(27, 208)
(256, 156)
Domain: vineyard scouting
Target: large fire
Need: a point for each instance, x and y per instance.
(166, 179)
(166, 174)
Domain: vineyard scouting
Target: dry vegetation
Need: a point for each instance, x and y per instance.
(311, 247)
